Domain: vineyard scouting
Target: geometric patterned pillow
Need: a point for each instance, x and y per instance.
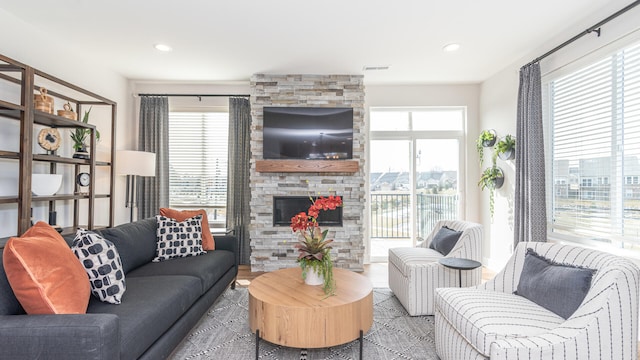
(178, 238)
(102, 263)
(208, 243)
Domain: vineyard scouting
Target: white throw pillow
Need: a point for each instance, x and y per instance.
(178, 238)
(101, 261)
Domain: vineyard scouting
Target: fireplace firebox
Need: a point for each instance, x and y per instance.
(286, 207)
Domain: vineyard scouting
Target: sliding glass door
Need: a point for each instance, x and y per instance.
(390, 194)
(414, 179)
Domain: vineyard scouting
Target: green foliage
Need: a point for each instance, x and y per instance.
(485, 135)
(315, 252)
(508, 143)
(323, 267)
(488, 181)
(79, 135)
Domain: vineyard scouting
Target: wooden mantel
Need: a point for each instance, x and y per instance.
(299, 166)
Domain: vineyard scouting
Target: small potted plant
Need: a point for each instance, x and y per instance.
(79, 136)
(506, 148)
(314, 252)
(492, 178)
(487, 138)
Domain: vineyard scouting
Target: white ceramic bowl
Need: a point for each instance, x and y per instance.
(45, 184)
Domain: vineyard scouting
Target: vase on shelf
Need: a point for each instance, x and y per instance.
(81, 153)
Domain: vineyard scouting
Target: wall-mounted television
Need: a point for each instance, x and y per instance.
(312, 133)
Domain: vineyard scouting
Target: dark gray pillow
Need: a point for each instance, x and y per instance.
(136, 242)
(559, 288)
(444, 240)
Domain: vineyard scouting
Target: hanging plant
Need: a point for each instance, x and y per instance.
(492, 178)
(486, 139)
(506, 148)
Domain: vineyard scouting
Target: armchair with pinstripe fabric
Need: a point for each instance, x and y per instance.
(490, 321)
(415, 273)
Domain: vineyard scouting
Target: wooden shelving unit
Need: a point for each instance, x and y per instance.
(25, 81)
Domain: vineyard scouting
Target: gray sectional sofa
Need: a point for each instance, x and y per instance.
(162, 302)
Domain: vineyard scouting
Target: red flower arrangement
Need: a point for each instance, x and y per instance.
(304, 221)
(313, 248)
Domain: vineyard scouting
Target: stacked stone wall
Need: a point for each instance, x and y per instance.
(272, 247)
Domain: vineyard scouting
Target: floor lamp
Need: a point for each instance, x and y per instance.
(134, 163)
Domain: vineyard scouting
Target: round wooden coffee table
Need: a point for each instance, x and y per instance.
(285, 311)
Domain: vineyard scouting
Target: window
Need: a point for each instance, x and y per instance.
(198, 146)
(416, 156)
(594, 123)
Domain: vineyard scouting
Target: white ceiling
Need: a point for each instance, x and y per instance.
(230, 40)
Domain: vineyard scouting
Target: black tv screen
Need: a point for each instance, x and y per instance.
(307, 133)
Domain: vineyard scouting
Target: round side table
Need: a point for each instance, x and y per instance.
(460, 264)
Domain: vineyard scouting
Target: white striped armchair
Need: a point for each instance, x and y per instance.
(415, 273)
(490, 322)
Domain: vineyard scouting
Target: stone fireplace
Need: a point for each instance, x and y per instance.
(286, 207)
(272, 246)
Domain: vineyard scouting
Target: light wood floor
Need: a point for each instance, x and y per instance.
(376, 272)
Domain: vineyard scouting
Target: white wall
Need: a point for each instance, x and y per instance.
(498, 109)
(34, 46)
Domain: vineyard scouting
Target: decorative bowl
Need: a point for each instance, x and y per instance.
(45, 184)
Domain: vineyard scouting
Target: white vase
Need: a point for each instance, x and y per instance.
(313, 278)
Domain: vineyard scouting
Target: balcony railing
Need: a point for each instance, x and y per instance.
(390, 213)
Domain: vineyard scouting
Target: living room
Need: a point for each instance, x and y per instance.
(490, 100)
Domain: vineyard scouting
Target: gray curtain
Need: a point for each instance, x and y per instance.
(238, 192)
(530, 218)
(153, 136)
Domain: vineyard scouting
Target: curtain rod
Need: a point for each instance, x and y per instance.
(595, 28)
(199, 95)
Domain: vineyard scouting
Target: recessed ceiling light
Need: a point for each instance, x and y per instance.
(451, 47)
(375, 67)
(163, 47)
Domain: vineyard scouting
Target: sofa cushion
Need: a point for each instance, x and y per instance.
(44, 274)
(407, 258)
(151, 305)
(101, 261)
(209, 267)
(178, 239)
(136, 242)
(9, 304)
(557, 287)
(208, 242)
(484, 316)
(444, 240)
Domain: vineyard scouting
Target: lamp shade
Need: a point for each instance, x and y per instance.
(141, 163)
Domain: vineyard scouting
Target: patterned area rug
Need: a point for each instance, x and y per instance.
(224, 333)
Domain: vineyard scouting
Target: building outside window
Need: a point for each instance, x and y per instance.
(593, 135)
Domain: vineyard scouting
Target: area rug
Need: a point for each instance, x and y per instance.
(224, 333)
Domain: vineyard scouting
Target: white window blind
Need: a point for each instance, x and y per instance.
(198, 147)
(595, 144)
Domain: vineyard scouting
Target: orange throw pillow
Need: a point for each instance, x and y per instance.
(181, 215)
(44, 274)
